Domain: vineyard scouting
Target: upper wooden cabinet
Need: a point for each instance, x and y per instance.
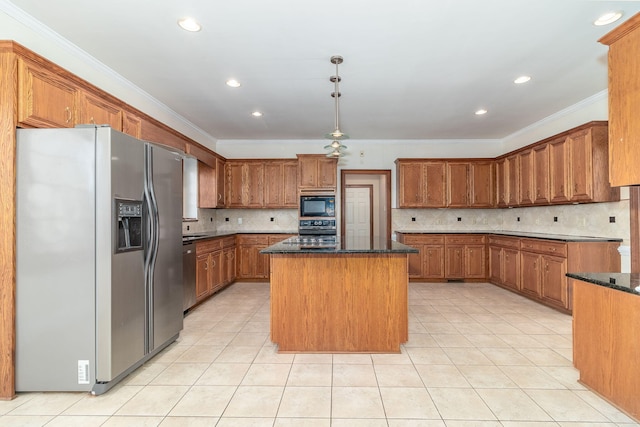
(541, 174)
(624, 102)
(261, 183)
(317, 171)
(131, 124)
(526, 178)
(45, 99)
(95, 110)
(421, 184)
(433, 183)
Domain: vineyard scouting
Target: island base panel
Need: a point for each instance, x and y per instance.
(339, 303)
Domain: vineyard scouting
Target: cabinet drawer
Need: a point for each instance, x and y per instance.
(465, 239)
(229, 241)
(544, 247)
(423, 239)
(208, 246)
(506, 242)
(253, 239)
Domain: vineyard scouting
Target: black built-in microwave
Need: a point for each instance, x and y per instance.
(315, 206)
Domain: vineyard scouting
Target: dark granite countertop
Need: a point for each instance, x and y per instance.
(557, 237)
(626, 282)
(194, 237)
(379, 245)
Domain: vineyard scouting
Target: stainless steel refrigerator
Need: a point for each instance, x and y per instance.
(99, 256)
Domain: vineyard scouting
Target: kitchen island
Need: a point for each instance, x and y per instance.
(347, 297)
(606, 325)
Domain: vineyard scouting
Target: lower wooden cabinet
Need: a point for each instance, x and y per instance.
(251, 264)
(215, 265)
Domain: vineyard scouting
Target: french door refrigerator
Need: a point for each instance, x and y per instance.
(98, 256)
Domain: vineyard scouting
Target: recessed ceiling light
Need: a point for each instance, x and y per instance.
(522, 79)
(233, 83)
(481, 112)
(607, 18)
(256, 114)
(189, 24)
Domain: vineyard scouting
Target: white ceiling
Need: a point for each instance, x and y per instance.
(413, 69)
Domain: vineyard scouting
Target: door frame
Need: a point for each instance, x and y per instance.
(370, 188)
(344, 173)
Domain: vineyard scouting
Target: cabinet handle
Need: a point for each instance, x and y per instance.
(214, 263)
(547, 268)
(575, 188)
(206, 265)
(68, 110)
(92, 121)
(535, 265)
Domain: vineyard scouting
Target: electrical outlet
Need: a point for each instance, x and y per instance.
(239, 220)
(361, 153)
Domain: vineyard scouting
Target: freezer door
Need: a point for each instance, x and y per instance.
(120, 302)
(166, 293)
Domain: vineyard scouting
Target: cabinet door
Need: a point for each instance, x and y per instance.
(434, 189)
(457, 185)
(327, 172)
(481, 186)
(262, 263)
(559, 166)
(530, 273)
(475, 262)
(96, 111)
(495, 264)
(512, 171)
(511, 268)
(526, 177)
(502, 190)
(202, 276)
(554, 281)
(290, 178)
(307, 172)
(454, 261)
(433, 262)
(274, 185)
(131, 124)
(581, 166)
(229, 260)
(216, 268)
(245, 262)
(411, 183)
(220, 183)
(254, 185)
(235, 179)
(44, 99)
(207, 197)
(541, 174)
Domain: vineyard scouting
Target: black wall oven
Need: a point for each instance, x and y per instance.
(317, 215)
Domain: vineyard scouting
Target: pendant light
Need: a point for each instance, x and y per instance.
(336, 147)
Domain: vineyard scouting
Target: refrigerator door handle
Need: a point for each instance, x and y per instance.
(153, 239)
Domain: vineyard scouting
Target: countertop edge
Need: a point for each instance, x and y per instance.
(618, 281)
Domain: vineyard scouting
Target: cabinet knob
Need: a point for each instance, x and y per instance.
(68, 111)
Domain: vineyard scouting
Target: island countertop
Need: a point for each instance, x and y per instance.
(625, 282)
(346, 246)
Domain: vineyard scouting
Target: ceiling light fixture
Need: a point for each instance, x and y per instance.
(256, 114)
(607, 18)
(481, 112)
(189, 24)
(336, 147)
(233, 83)
(522, 79)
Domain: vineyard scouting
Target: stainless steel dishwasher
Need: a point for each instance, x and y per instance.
(189, 274)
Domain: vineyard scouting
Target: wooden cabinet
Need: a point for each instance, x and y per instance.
(251, 263)
(131, 124)
(512, 175)
(502, 189)
(45, 100)
(317, 171)
(559, 168)
(428, 263)
(281, 184)
(624, 102)
(207, 197)
(457, 184)
(215, 265)
(445, 183)
(541, 174)
(261, 183)
(481, 186)
(466, 256)
(421, 184)
(443, 256)
(221, 183)
(526, 177)
(97, 111)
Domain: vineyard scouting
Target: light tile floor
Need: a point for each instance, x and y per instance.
(477, 356)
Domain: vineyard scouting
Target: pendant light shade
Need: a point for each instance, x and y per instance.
(336, 147)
